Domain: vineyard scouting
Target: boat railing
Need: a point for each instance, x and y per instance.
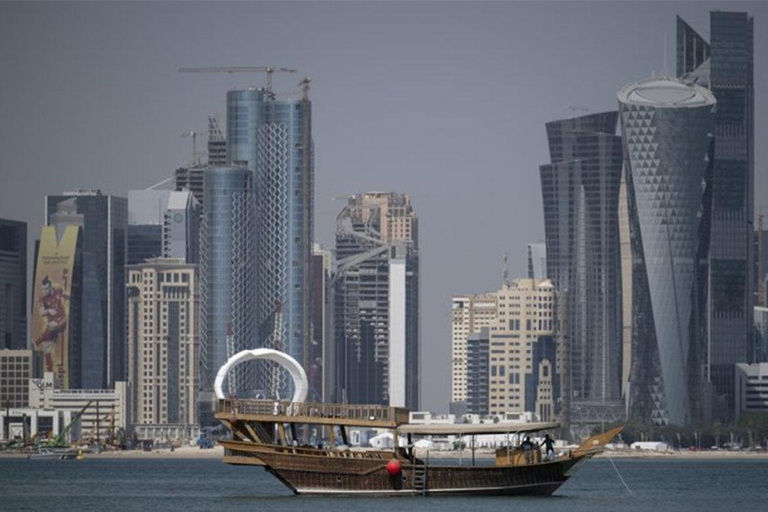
(308, 410)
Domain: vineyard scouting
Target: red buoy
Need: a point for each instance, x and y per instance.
(393, 467)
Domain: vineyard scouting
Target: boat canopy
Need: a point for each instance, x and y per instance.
(475, 428)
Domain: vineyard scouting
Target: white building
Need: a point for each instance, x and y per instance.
(469, 314)
(751, 394)
(105, 410)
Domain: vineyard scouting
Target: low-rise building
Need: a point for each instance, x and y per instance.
(751, 393)
(15, 372)
(105, 411)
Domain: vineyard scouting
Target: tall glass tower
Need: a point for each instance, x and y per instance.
(666, 127)
(105, 223)
(580, 191)
(272, 138)
(726, 66)
(227, 274)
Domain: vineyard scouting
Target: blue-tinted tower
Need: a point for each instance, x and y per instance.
(227, 275)
(271, 137)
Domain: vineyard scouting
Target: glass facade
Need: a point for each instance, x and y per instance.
(144, 242)
(580, 190)
(272, 137)
(228, 273)
(105, 221)
(478, 375)
(13, 284)
(666, 127)
(729, 73)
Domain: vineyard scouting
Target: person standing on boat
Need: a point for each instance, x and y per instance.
(549, 445)
(527, 447)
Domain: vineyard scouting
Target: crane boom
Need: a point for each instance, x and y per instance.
(269, 70)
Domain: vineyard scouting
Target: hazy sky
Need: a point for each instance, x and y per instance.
(446, 101)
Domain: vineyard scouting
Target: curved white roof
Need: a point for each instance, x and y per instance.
(663, 92)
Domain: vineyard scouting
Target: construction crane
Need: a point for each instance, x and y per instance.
(195, 155)
(269, 70)
(60, 440)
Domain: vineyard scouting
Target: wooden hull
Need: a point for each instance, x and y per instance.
(322, 472)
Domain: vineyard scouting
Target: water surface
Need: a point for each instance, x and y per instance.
(195, 485)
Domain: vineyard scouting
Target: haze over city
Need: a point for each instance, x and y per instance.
(444, 101)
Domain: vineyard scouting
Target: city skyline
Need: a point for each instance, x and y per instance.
(389, 91)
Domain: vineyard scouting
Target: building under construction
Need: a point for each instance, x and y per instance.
(376, 301)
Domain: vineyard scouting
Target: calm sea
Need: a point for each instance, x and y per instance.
(192, 485)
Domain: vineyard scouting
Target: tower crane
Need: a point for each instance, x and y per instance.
(269, 70)
(195, 155)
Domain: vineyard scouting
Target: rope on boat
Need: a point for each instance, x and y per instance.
(617, 472)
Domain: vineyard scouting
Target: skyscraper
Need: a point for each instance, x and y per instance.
(272, 137)
(320, 351)
(181, 227)
(537, 261)
(227, 277)
(13, 284)
(376, 302)
(580, 191)
(104, 223)
(469, 314)
(145, 224)
(163, 341)
(524, 374)
(726, 66)
(666, 127)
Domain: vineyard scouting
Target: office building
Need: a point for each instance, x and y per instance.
(103, 220)
(191, 179)
(228, 322)
(580, 192)
(145, 226)
(56, 327)
(163, 223)
(163, 341)
(759, 348)
(217, 144)
(105, 412)
(751, 392)
(469, 314)
(13, 284)
(537, 261)
(320, 349)
(523, 351)
(376, 301)
(667, 128)
(725, 65)
(181, 228)
(476, 374)
(272, 137)
(15, 372)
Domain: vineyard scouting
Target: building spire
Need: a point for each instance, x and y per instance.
(505, 272)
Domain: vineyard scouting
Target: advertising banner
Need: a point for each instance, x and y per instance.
(50, 312)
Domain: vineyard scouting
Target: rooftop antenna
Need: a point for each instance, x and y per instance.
(505, 272)
(760, 262)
